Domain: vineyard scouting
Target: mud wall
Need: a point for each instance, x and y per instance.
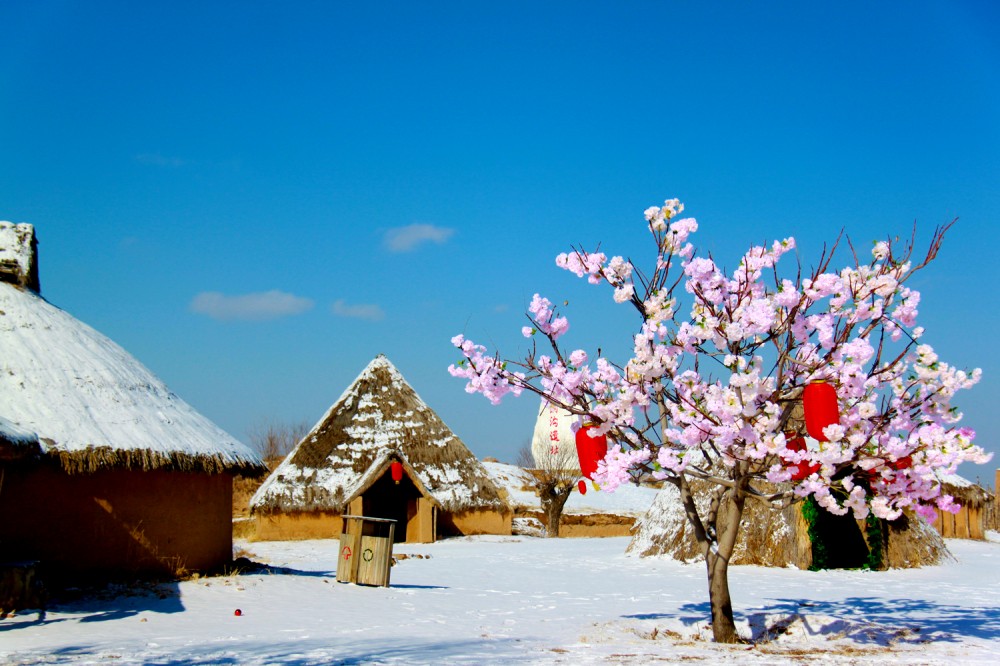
(116, 522)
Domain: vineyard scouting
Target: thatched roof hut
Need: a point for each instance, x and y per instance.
(120, 452)
(342, 466)
(776, 538)
(975, 501)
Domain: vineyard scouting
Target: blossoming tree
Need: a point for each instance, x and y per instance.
(718, 366)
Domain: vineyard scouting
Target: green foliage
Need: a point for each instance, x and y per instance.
(810, 512)
(821, 555)
(876, 543)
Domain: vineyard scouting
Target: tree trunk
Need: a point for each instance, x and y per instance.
(716, 536)
(553, 498)
(723, 622)
(726, 525)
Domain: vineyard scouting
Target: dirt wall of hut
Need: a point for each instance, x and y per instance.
(293, 526)
(115, 522)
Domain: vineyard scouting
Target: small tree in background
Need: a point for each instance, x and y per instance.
(274, 440)
(555, 479)
(710, 395)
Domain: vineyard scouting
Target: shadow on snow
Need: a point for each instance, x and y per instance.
(862, 619)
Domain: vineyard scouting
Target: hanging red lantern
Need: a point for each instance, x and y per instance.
(819, 401)
(396, 468)
(590, 448)
(794, 442)
(582, 486)
(802, 469)
(901, 463)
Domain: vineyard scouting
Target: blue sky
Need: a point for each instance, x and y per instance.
(255, 198)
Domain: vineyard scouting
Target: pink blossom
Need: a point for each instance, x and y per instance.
(716, 361)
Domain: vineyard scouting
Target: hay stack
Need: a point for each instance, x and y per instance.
(779, 538)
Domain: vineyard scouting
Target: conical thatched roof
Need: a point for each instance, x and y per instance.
(378, 417)
(90, 403)
(771, 537)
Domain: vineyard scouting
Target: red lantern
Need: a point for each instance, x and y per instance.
(397, 471)
(901, 463)
(582, 486)
(590, 448)
(819, 401)
(794, 443)
(803, 469)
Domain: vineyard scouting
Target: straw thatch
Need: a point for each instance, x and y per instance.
(92, 405)
(19, 255)
(772, 537)
(965, 492)
(378, 418)
(975, 506)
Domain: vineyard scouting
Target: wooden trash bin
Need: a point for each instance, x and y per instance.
(365, 550)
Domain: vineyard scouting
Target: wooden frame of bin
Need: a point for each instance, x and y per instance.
(365, 553)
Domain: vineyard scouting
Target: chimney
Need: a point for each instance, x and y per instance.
(19, 255)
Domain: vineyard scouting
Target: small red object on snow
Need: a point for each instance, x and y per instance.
(582, 485)
(237, 612)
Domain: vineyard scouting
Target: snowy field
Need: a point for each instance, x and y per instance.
(523, 600)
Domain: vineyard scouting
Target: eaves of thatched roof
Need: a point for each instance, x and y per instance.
(377, 418)
(17, 443)
(964, 491)
(92, 405)
(380, 467)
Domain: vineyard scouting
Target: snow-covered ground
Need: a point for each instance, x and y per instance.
(501, 600)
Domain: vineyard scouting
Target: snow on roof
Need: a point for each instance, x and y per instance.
(378, 416)
(15, 434)
(91, 403)
(17, 254)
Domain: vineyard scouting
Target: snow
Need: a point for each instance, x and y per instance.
(521, 600)
(77, 389)
(627, 500)
(16, 435)
(15, 246)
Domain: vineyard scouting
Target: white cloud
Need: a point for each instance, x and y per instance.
(369, 312)
(259, 306)
(406, 239)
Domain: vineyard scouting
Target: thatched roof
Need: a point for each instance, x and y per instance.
(91, 404)
(770, 537)
(19, 255)
(379, 417)
(965, 491)
(17, 443)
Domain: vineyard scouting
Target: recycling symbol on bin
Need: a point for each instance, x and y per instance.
(368, 555)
